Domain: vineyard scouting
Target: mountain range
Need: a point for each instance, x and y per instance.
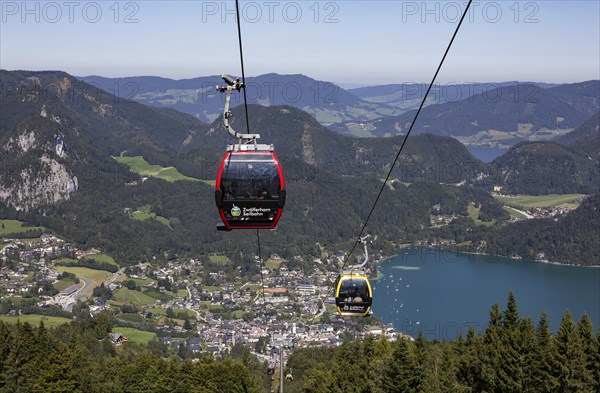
(485, 114)
(58, 136)
(503, 116)
(408, 96)
(325, 101)
(53, 123)
(297, 135)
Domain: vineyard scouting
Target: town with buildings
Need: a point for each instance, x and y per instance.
(195, 305)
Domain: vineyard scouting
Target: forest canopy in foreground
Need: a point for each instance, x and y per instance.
(512, 355)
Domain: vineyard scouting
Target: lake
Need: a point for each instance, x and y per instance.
(486, 154)
(443, 293)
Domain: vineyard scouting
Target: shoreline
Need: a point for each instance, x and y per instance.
(385, 259)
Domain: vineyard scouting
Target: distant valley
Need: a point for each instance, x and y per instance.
(501, 116)
(496, 115)
(409, 95)
(325, 101)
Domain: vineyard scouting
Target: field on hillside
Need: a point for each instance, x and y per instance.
(527, 202)
(13, 226)
(163, 311)
(140, 166)
(137, 298)
(514, 213)
(220, 260)
(103, 258)
(474, 215)
(63, 284)
(145, 213)
(35, 320)
(135, 335)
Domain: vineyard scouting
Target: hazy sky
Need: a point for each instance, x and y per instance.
(362, 42)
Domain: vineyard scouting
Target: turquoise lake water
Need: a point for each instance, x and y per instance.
(442, 292)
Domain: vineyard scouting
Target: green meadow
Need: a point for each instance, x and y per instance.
(145, 213)
(14, 226)
(35, 320)
(126, 296)
(135, 335)
(527, 202)
(474, 215)
(140, 166)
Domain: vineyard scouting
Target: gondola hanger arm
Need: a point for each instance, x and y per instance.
(364, 241)
(234, 84)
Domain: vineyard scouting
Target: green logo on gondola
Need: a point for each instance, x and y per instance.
(236, 211)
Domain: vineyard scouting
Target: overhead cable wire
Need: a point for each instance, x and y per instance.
(408, 133)
(237, 12)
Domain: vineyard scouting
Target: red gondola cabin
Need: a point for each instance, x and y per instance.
(250, 190)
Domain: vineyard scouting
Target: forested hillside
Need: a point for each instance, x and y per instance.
(570, 164)
(80, 358)
(512, 355)
(540, 168)
(572, 239)
(588, 130)
(297, 135)
(325, 174)
(63, 133)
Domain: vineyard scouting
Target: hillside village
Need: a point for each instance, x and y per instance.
(202, 304)
(185, 304)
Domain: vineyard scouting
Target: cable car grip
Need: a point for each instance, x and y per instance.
(228, 90)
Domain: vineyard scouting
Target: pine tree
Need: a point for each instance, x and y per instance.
(142, 374)
(510, 317)
(187, 325)
(470, 367)
(19, 365)
(403, 374)
(373, 362)
(510, 370)
(351, 370)
(58, 372)
(572, 374)
(428, 361)
(541, 377)
(590, 350)
(527, 350)
(183, 352)
(230, 376)
(318, 380)
(103, 326)
(377, 358)
(493, 349)
(5, 333)
(84, 354)
(170, 313)
(441, 367)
